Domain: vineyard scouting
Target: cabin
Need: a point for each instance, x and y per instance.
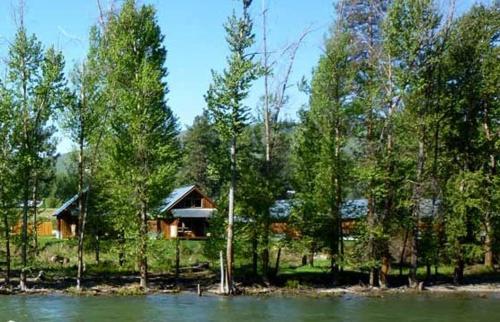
(184, 214)
(352, 210)
(67, 218)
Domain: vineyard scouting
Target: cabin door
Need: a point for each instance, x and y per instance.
(173, 230)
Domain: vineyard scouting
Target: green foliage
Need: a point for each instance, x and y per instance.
(142, 146)
(228, 90)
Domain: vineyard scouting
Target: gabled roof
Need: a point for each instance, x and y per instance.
(67, 204)
(177, 195)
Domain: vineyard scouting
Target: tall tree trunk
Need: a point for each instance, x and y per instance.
(143, 260)
(230, 221)
(488, 244)
(371, 242)
(458, 273)
(255, 244)
(267, 139)
(97, 248)
(277, 266)
(311, 254)
(403, 251)
(222, 273)
(417, 197)
(35, 213)
(7, 244)
(489, 240)
(24, 238)
(265, 242)
(82, 212)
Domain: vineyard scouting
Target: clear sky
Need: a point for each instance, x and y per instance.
(194, 38)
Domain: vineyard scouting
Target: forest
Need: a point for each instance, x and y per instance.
(403, 118)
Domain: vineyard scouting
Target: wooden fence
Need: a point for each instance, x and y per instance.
(43, 229)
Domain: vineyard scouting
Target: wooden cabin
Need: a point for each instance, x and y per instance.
(67, 218)
(184, 214)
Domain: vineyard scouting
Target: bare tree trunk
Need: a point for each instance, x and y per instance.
(7, 245)
(222, 274)
(97, 248)
(403, 251)
(254, 253)
(277, 266)
(384, 269)
(81, 214)
(229, 249)
(489, 240)
(143, 260)
(458, 274)
(371, 243)
(24, 238)
(35, 213)
(311, 254)
(267, 140)
(488, 244)
(417, 196)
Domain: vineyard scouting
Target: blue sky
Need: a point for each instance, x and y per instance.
(194, 38)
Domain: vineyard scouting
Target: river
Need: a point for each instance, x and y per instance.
(188, 307)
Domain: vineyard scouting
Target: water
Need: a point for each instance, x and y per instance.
(187, 307)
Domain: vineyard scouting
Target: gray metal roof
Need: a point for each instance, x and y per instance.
(351, 208)
(281, 209)
(193, 213)
(174, 197)
(67, 204)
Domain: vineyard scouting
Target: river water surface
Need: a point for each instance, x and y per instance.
(188, 307)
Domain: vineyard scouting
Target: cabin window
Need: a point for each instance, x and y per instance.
(196, 203)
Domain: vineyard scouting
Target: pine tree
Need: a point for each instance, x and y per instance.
(225, 100)
(9, 186)
(472, 111)
(85, 119)
(36, 82)
(142, 144)
(413, 41)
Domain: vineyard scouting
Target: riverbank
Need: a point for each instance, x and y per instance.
(206, 284)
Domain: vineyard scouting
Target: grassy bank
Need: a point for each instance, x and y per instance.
(108, 276)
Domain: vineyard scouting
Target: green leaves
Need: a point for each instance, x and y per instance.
(225, 96)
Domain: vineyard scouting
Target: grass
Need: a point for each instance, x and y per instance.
(161, 261)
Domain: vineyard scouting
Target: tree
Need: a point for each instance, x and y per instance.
(35, 81)
(84, 119)
(225, 98)
(273, 101)
(470, 141)
(414, 43)
(142, 143)
(374, 96)
(325, 136)
(9, 187)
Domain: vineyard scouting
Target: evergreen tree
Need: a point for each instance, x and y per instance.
(471, 119)
(35, 81)
(84, 119)
(225, 100)
(142, 145)
(414, 43)
(9, 185)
